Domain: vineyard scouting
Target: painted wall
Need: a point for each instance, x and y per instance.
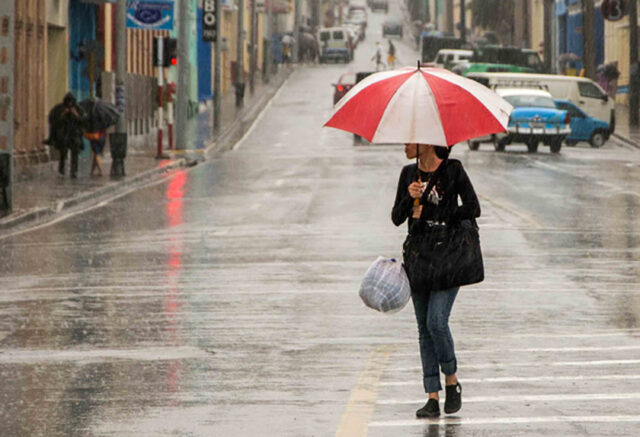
(82, 28)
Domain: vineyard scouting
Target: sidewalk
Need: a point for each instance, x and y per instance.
(625, 133)
(39, 192)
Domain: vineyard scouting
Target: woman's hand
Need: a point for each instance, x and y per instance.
(416, 189)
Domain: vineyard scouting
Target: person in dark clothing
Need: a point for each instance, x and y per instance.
(66, 128)
(429, 213)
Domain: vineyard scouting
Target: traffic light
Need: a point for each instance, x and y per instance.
(169, 52)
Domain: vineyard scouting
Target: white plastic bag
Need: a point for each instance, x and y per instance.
(385, 286)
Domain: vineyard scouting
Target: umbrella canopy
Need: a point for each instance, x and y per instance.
(420, 105)
(99, 115)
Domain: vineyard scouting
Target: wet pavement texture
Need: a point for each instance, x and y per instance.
(224, 301)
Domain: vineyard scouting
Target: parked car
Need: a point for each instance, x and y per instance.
(526, 58)
(379, 4)
(581, 91)
(392, 27)
(448, 58)
(467, 69)
(335, 44)
(584, 127)
(360, 16)
(535, 119)
(343, 85)
(356, 29)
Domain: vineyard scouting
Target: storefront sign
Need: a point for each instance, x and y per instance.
(150, 14)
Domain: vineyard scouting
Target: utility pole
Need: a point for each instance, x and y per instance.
(270, 33)
(183, 73)
(7, 102)
(427, 13)
(633, 63)
(240, 56)
(252, 56)
(588, 50)
(449, 17)
(118, 140)
(296, 31)
(548, 43)
(217, 72)
(463, 22)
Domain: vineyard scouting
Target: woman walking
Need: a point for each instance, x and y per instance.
(429, 216)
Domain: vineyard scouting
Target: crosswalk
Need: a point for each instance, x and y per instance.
(572, 394)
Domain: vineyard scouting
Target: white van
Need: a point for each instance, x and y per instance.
(446, 57)
(581, 91)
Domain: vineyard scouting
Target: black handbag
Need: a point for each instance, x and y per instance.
(443, 257)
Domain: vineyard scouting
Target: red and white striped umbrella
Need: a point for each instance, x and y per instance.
(420, 105)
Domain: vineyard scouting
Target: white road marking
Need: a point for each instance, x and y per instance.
(502, 365)
(522, 379)
(505, 420)
(279, 182)
(31, 356)
(527, 398)
(261, 115)
(533, 349)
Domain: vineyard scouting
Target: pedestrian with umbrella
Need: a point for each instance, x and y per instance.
(430, 110)
(66, 121)
(99, 116)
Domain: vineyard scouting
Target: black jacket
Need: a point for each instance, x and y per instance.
(452, 183)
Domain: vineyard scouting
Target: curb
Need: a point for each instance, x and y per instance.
(248, 115)
(87, 197)
(224, 141)
(626, 140)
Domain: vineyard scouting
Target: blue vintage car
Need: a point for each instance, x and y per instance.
(534, 120)
(584, 127)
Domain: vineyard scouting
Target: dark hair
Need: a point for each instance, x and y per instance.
(442, 152)
(69, 100)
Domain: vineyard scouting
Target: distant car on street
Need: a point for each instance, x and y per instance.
(335, 44)
(581, 91)
(342, 87)
(379, 5)
(392, 27)
(448, 58)
(534, 120)
(583, 127)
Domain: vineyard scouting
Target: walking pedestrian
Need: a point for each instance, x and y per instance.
(97, 141)
(66, 129)
(377, 55)
(429, 216)
(391, 55)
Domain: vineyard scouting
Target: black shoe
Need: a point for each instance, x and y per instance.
(453, 403)
(430, 409)
(74, 176)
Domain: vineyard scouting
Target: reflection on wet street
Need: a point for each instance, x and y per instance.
(223, 301)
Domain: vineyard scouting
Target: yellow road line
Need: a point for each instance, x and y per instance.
(359, 410)
(529, 218)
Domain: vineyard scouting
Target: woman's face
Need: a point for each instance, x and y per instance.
(411, 149)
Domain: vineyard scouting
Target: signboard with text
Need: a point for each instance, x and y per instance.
(613, 10)
(150, 14)
(209, 21)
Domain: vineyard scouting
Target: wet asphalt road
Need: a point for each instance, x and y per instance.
(223, 301)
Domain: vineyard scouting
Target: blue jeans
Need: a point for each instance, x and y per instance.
(436, 343)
